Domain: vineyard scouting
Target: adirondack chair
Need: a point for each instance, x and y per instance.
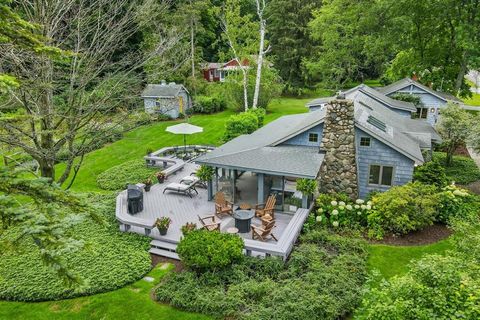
(209, 223)
(222, 206)
(266, 208)
(264, 233)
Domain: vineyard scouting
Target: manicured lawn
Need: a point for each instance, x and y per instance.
(135, 143)
(131, 302)
(475, 99)
(394, 260)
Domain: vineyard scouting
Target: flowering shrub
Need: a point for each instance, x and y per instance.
(340, 211)
(456, 203)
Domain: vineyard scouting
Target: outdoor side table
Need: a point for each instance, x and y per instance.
(243, 220)
(232, 230)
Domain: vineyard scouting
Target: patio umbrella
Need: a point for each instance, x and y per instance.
(184, 128)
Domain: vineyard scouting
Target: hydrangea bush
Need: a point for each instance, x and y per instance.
(456, 202)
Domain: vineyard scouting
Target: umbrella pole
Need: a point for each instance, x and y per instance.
(185, 143)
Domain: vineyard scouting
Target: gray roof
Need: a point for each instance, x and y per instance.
(405, 82)
(396, 104)
(163, 90)
(320, 101)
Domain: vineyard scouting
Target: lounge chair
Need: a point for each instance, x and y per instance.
(209, 223)
(222, 206)
(264, 233)
(187, 189)
(266, 208)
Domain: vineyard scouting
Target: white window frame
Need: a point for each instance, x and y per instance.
(369, 142)
(379, 184)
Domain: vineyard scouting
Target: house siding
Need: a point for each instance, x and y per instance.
(429, 101)
(380, 154)
(302, 138)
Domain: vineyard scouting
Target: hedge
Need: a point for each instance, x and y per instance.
(110, 261)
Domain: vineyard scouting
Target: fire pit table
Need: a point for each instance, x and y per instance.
(243, 219)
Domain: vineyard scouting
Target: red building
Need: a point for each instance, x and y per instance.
(217, 71)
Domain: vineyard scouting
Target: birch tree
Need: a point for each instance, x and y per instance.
(261, 49)
(239, 32)
(69, 105)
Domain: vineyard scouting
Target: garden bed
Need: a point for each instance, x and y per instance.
(428, 235)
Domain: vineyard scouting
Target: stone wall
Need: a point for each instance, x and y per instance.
(339, 169)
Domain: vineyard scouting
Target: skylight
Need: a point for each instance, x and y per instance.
(377, 123)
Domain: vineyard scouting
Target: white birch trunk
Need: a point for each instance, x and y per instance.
(261, 51)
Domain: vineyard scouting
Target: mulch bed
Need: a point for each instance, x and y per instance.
(429, 235)
(473, 187)
(157, 259)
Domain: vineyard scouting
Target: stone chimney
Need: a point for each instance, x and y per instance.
(339, 169)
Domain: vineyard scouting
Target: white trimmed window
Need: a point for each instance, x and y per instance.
(365, 141)
(313, 137)
(380, 175)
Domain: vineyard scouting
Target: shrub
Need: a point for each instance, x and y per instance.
(260, 114)
(322, 280)
(209, 104)
(130, 172)
(202, 250)
(242, 123)
(109, 261)
(457, 203)
(403, 209)
(431, 172)
(307, 186)
(205, 173)
(462, 171)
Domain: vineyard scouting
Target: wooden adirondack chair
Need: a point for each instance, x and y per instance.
(209, 223)
(264, 233)
(266, 208)
(222, 206)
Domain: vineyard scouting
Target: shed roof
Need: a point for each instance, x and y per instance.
(405, 82)
(163, 90)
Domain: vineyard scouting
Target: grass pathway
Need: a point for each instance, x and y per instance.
(131, 302)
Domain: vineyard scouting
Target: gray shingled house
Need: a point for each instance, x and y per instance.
(170, 99)
(356, 143)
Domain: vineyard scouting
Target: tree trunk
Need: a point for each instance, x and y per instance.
(261, 52)
(461, 73)
(192, 44)
(47, 169)
(245, 88)
(449, 157)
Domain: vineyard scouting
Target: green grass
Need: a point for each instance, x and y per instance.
(475, 99)
(463, 170)
(131, 302)
(394, 260)
(135, 143)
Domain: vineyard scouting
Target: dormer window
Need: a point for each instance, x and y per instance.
(313, 137)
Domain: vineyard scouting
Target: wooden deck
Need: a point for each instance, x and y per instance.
(182, 209)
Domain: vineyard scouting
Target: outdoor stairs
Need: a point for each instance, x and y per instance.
(164, 249)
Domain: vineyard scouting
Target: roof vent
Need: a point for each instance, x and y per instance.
(164, 83)
(171, 83)
(377, 123)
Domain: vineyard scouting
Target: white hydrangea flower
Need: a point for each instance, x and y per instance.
(319, 219)
(341, 207)
(349, 207)
(320, 210)
(341, 203)
(334, 212)
(359, 213)
(333, 203)
(335, 224)
(359, 201)
(369, 203)
(357, 206)
(369, 207)
(363, 207)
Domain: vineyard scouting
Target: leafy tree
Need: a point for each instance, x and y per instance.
(290, 39)
(40, 209)
(454, 128)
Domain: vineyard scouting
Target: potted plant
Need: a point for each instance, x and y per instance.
(307, 187)
(148, 184)
(162, 225)
(188, 227)
(160, 176)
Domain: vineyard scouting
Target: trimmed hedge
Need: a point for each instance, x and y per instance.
(110, 261)
(322, 280)
(209, 104)
(242, 123)
(130, 172)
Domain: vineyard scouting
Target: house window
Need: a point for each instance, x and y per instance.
(313, 137)
(422, 113)
(365, 141)
(381, 175)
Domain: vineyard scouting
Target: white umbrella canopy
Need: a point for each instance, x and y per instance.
(184, 128)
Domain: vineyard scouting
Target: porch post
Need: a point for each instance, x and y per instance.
(260, 188)
(234, 179)
(210, 190)
(304, 201)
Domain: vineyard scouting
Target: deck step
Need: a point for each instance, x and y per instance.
(163, 245)
(164, 253)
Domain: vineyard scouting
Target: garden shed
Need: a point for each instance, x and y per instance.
(170, 99)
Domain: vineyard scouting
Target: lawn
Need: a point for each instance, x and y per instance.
(475, 99)
(131, 302)
(136, 142)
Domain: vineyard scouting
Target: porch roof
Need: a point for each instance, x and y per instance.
(295, 161)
